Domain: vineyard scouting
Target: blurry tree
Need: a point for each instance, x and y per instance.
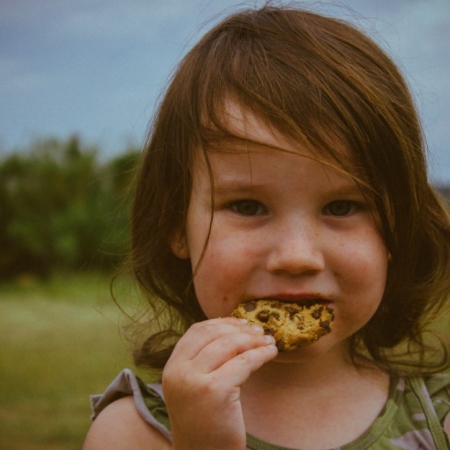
(60, 208)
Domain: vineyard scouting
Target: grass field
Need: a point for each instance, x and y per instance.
(60, 342)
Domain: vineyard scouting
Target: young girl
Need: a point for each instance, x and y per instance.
(286, 162)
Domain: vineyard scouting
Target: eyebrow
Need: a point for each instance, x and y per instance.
(348, 188)
(236, 185)
(230, 187)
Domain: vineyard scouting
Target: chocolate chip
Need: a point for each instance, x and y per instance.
(249, 306)
(263, 316)
(268, 330)
(280, 344)
(291, 311)
(317, 313)
(325, 324)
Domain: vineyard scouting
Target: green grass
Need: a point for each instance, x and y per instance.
(60, 342)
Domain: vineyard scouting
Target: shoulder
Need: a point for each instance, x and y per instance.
(438, 383)
(439, 389)
(435, 394)
(120, 426)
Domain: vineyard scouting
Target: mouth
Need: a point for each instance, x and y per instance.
(300, 301)
(293, 323)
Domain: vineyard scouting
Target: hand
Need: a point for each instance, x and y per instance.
(202, 379)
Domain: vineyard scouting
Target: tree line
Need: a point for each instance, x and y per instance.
(63, 209)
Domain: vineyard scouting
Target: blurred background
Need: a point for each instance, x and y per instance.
(79, 83)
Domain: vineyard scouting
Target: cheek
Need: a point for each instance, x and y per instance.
(222, 276)
(366, 254)
(364, 278)
(369, 270)
(215, 289)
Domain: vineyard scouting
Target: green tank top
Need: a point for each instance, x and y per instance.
(414, 417)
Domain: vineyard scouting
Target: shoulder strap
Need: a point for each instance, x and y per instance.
(439, 436)
(128, 384)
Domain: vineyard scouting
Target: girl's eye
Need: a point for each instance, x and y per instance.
(340, 208)
(248, 207)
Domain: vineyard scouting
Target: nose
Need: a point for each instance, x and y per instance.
(296, 249)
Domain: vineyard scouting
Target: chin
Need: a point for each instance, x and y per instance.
(323, 348)
(300, 355)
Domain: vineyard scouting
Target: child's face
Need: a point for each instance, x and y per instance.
(284, 227)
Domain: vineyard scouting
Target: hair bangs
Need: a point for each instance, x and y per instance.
(325, 86)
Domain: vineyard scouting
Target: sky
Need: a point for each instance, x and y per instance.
(96, 68)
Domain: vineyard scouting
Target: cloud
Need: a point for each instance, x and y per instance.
(98, 66)
(16, 79)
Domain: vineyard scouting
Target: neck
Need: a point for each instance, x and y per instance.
(300, 397)
(314, 373)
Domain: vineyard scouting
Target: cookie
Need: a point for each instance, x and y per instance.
(291, 324)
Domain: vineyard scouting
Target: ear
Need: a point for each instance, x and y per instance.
(179, 246)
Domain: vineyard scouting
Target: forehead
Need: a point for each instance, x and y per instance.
(247, 145)
(249, 130)
(238, 129)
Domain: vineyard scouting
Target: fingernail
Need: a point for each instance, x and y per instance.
(269, 338)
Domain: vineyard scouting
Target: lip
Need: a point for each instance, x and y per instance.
(298, 298)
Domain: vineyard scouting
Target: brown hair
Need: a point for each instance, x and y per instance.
(308, 76)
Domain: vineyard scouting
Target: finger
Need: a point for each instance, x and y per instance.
(202, 334)
(228, 346)
(238, 369)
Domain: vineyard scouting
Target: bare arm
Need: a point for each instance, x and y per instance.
(202, 381)
(119, 426)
